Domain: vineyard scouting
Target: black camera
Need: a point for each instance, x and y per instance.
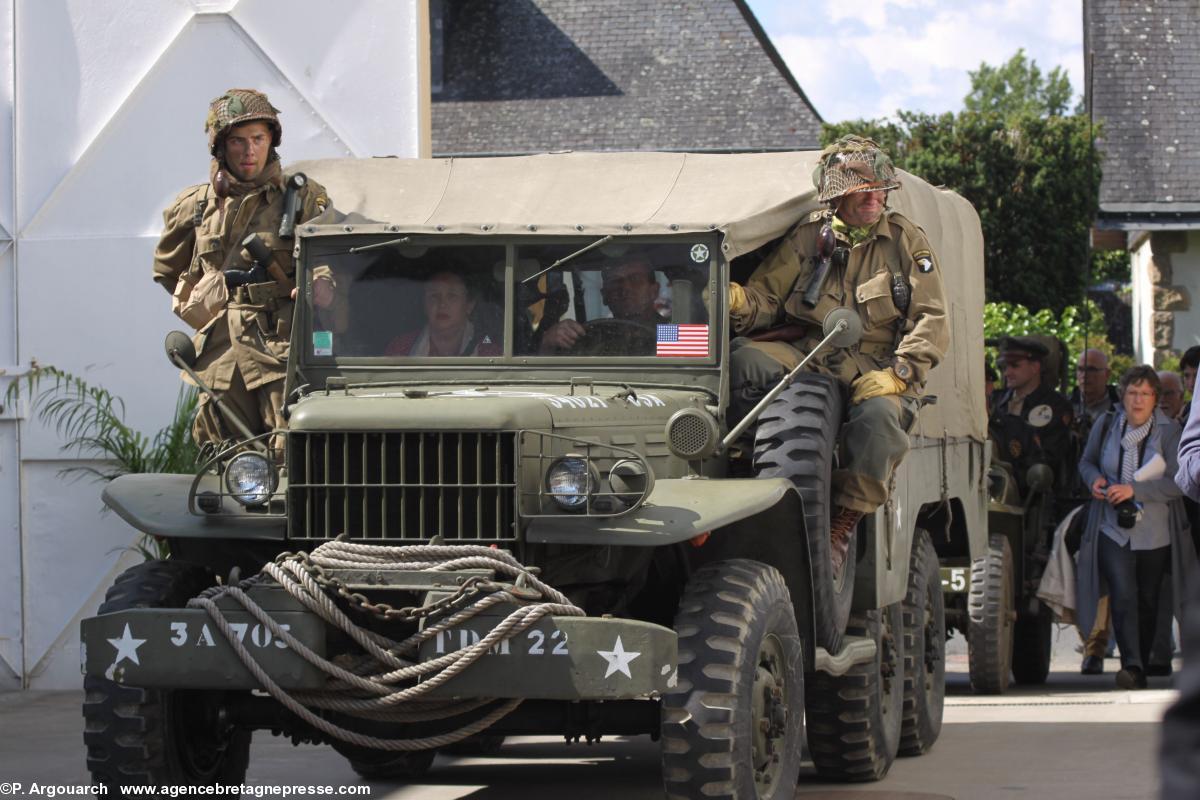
(1128, 513)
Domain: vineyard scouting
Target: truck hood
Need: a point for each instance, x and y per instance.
(486, 409)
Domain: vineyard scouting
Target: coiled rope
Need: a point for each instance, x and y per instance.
(379, 683)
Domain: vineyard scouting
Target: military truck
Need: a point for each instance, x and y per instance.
(522, 540)
(992, 596)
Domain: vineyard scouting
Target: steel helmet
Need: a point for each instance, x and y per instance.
(853, 164)
(235, 107)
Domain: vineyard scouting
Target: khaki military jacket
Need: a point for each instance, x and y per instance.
(249, 333)
(775, 292)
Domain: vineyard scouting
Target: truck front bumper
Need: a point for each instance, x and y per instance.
(557, 658)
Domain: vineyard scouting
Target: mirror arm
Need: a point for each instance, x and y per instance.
(229, 414)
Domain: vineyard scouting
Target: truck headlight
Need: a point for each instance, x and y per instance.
(251, 479)
(570, 480)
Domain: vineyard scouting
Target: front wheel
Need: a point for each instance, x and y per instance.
(159, 737)
(733, 727)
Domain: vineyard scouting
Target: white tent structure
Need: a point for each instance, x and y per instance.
(102, 107)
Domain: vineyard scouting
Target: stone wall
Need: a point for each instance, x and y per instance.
(1167, 297)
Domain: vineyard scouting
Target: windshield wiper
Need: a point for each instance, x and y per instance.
(565, 259)
(388, 243)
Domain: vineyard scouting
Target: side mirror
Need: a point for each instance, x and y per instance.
(1039, 478)
(850, 322)
(179, 346)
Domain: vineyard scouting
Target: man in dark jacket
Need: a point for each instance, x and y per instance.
(1030, 422)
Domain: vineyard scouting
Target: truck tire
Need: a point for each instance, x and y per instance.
(1032, 641)
(388, 765)
(990, 613)
(854, 720)
(137, 736)
(924, 650)
(797, 439)
(733, 727)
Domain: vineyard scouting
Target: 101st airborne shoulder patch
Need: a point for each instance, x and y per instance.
(924, 260)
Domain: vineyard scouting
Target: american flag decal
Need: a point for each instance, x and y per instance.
(682, 340)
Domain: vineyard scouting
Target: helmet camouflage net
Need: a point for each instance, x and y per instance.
(238, 106)
(853, 164)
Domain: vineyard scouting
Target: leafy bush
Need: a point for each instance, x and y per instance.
(1079, 327)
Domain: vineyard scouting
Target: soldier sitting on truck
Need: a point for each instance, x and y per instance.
(858, 254)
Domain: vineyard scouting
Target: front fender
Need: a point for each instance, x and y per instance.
(157, 504)
(677, 509)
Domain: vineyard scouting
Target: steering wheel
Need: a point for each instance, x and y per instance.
(615, 337)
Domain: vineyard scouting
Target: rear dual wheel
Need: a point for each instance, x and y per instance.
(855, 720)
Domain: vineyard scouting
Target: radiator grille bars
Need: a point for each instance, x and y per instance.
(403, 486)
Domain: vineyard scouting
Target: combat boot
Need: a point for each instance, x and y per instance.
(841, 527)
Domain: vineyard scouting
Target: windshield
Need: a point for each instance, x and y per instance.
(405, 302)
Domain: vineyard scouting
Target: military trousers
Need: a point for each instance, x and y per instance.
(874, 437)
(259, 409)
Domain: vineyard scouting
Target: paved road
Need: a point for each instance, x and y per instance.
(1076, 737)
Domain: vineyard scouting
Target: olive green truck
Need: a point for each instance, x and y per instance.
(542, 533)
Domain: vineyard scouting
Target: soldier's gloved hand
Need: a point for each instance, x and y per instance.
(737, 298)
(877, 383)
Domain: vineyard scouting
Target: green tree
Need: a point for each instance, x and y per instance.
(1018, 89)
(1026, 168)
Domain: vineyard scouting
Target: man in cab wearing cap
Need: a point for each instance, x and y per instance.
(858, 254)
(1030, 422)
(242, 315)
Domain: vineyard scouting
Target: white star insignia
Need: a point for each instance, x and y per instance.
(127, 647)
(618, 659)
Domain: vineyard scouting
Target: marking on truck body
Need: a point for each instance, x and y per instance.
(956, 579)
(260, 635)
(618, 659)
(127, 647)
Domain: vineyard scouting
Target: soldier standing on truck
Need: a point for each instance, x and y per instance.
(1030, 421)
(241, 309)
(860, 254)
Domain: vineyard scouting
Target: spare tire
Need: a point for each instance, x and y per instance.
(797, 439)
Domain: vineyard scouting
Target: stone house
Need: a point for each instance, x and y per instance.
(521, 76)
(1143, 75)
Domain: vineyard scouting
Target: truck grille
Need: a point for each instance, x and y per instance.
(402, 486)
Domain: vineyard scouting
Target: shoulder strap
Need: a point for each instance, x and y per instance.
(201, 204)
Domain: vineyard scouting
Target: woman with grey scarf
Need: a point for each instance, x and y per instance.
(1129, 464)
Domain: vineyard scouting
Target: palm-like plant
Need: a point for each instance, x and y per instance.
(91, 420)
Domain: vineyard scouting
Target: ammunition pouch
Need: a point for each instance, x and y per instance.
(258, 294)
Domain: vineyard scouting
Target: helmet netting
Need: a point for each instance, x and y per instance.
(853, 164)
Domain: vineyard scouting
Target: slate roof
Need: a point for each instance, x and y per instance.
(523, 76)
(1145, 88)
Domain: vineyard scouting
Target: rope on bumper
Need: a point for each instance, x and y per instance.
(378, 685)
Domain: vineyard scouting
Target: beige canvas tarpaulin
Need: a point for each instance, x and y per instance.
(749, 198)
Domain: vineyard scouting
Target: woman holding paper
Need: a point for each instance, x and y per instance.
(1135, 516)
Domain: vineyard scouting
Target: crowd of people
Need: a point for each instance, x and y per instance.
(1127, 477)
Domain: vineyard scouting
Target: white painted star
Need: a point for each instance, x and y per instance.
(618, 659)
(127, 647)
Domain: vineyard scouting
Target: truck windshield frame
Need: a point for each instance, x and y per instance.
(428, 301)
